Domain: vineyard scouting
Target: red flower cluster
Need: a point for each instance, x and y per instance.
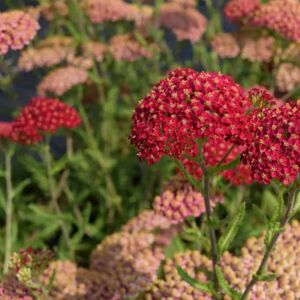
(214, 151)
(184, 107)
(261, 97)
(235, 10)
(5, 130)
(273, 152)
(40, 116)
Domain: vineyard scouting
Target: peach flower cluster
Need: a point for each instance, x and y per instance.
(61, 80)
(186, 22)
(123, 47)
(287, 77)
(225, 45)
(238, 270)
(17, 29)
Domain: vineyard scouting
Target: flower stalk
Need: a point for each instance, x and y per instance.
(261, 269)
(8, 208)
(52, 193)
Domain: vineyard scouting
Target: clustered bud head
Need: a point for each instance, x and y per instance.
(287, 77)
(5, 130)
(184, 107)
(238, 270)
(258, 50)
(12, 289)
(123, 47)
(180, 200)
(100, 11)
(282, 16)
(186, 22)
(73, 282)
(273, 151)
(17, 29)
(53, 9)
(214, 151)
(148, 221)
(225, 45)
(236, 10)
(42, 116)
(61, 80)
(173, 287)
(43, 57)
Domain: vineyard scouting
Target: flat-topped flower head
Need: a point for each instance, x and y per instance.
(225, 45)
(5, 130)
(184, 107)
(17, 29)
(61, 80)
(185, 21)
(217, 150)
(42, 116)
(282, 16)
(237, 10)
(274, 149)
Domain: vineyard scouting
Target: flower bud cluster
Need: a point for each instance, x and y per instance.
(42, 116)
(185, 21)
(17, 29)
(61, 80)
(236, 10)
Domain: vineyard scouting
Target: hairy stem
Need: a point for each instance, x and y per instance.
(262, 266)
(53, 195)
(8, 209)
(212, 233)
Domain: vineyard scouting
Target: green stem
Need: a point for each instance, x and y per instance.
(53, 196)
(8, 209)
(262, 266)
(212, 233)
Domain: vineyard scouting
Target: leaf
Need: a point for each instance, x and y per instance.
(204, 287)
(20, 187)
(175, 246)
(231, 229)
(189, 177)
(259, 213)
(266, 277)
(227, 289)
(296, 207)
(218, 169)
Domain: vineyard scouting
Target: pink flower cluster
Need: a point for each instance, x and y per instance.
(180, 200)
(185, 21)
(186, 106)
(282, 16)
(236, 10)
(17, 29)
(100, 11)
(62, 79)
(42, 116)
(273, 151)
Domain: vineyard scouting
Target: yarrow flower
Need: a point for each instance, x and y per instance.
(186, 22)
(238, 270)
(258, 50)
(5, 130)
(273, 151)
(282, 16)
(180, 200)
(237, 10)
(123, 47)
(43, 57)
(216, 152)
(184, 107)
(42, 116)
(17, 29)
(100, 11)
(287, 77)
(225, 45)
(61, 80)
